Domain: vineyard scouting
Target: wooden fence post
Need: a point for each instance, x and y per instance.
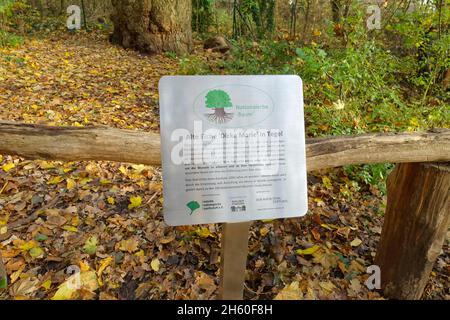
(233, 260)
(415, 226)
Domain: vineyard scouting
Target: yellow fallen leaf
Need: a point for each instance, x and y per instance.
(327, 285)
(14, 276)
(140, 253)
(167, 240)
(308, 251)
(8, 166)
(68, 289)
(105, 181)
(111, 200)
(135, 202)
(290, 292)
(46, 284)
(75, 221)
(356, 242)
(323, 225)
(46, 165)
(84, 266)
(319, 202)
(70, 184)
(55, 180)
(203, 232)
(123, 170)
(70, 228)
(3, 229)
(327, 182)
(155, 264)
(129, 245)
(103, 265)
(28, 245)
(263, 231)
(85, 181)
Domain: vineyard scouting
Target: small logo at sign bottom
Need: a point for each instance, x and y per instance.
(193, 206)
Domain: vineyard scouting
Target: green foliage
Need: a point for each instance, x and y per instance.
(425, 36)
(218, 99)
(202, 15)
(364, 84)
(251, 15)
(8, 39)
(370, 174)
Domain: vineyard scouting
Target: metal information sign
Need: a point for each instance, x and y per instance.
(233, 148)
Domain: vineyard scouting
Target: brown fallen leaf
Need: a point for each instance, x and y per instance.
(24, 287)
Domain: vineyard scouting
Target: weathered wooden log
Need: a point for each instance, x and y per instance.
(103, 143)
(415, 226)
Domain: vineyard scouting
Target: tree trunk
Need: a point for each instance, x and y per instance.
(415, 226)
(153, 26)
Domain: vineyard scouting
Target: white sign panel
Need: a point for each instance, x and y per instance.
(233, 148)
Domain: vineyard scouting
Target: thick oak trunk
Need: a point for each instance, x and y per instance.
(416, 222)
(153, 26)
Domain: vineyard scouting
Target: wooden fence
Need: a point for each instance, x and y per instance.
(418, 209)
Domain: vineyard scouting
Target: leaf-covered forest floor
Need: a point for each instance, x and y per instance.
(105, 218)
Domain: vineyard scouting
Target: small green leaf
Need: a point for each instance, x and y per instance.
(36, 252)
(41, 237)
(3, 282)
(90, 246)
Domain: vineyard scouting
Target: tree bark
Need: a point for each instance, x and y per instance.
(103, 143)
(416, 222)
(153, 26)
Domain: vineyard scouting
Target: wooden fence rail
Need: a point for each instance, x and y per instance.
(103, 143)
(417, 215)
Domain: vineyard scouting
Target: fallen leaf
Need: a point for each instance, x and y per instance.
(263, 231)
(79, 281)
(55, 180)
(327, 182)
(129, 245)
(36, 252)
(356, 242)
(90, 246)
(203, 232)
(290, 292)
(155, 264)
(327, 285)
(46, 284)
(70, 184)
(70, 228)
(103, 265)
(8, 166)
(3, 282)
(135, 202)
(307, 251)
(24, 287)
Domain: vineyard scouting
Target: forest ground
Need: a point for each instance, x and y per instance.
(105, 218)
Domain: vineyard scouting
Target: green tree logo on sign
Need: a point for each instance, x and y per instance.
(218, 100)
